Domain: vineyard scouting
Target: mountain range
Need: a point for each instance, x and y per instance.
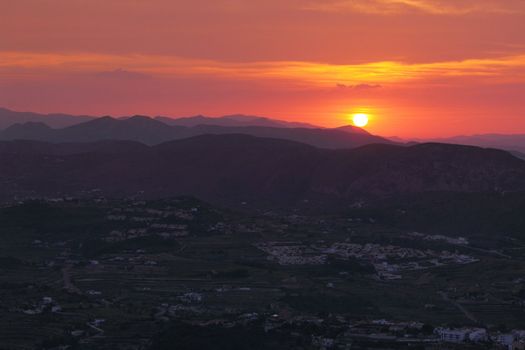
(59, 120)
(70, 128)
(56, 120)
(153, 131)
(233, 120)
(242, 168)
(514, 143)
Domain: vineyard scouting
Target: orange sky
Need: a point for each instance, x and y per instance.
(420, 67)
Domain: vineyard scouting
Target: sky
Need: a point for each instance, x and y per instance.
(419, 68)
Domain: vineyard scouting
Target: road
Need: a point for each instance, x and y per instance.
(465, 312)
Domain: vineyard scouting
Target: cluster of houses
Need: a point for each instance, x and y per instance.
(292, 253)
(514, 340)
(46, 304)
(380, 256)
(146, 221)
(447, 239)
(343, 333)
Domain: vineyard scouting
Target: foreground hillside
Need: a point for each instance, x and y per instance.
(240, 168)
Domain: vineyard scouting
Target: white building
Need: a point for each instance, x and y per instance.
(453, 335)
(478, 335)
(506, 339)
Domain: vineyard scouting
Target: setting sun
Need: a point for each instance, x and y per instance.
(360, 119)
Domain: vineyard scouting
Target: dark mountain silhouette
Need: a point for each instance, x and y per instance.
(352, 129)
(8, 118)
(233, 120)
(518, 154)
(45, 148)
(322, 138)
(60, 120)
(510, 142)
(233, 168)
(136, 128)
(27, 131)
(152, 131)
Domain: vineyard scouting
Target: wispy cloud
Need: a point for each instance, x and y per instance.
(122, 74)
(359, 86)
(435, 7)
(309, 73)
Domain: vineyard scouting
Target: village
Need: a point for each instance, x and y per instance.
(295, 253)
(329, 283)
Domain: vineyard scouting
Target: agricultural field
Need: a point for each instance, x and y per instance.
(123, 274)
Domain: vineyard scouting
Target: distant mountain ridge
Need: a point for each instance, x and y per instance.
(514, 142)
(153, 131)
(28, 130)
(233, 121)
(510, 142)
(235, 168)
(54, 120)
(34, 126)
(60, 120)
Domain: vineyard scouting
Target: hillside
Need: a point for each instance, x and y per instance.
(236, 168)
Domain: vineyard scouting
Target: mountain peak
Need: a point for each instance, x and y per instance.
(9, 117)
(28, 130)
(352, 129)
(102, 121)
(141, 120)
(233, 120)
(29, 125)
(139, 117)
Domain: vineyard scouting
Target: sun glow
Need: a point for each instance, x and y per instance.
(360, 119)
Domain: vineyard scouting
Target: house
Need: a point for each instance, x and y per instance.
(518, 345)
(505, 339)
(478, 335)
(452, 335)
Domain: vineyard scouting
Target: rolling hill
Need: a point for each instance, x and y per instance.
(235, 168)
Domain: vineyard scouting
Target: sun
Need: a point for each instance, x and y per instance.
(360, 119)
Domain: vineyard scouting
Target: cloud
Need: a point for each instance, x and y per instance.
(359, 86)
(435, 7)
(122, 74)
(309, 74)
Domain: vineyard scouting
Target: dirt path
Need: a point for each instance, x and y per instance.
(460, 307)
(66, 278)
